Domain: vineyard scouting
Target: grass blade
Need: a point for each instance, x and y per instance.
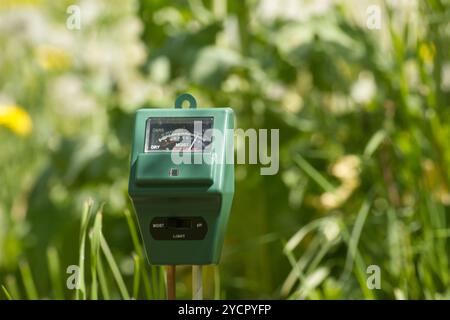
(81, 287)
(145, 279)
(310, 283)
(295, 267)
(5, 291)
(13, 289)
(94, 236)
(295, 240)
(217, 283)
(354, 238)
(138, 248)
(359, 267)
(374, 143)
(156, 281)
(28, 282)
(162, 282)
(54, 268)
(301, 264)
(102, 279)
(136, 277)
(114, 268)
(314, 174)
(133, 232)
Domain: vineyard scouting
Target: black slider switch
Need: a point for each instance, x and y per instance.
(178, 223)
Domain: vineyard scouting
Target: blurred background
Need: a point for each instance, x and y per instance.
(358, 89)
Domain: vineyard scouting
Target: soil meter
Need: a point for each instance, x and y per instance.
(181, 183)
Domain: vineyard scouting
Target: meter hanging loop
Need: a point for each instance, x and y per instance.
(186, 97)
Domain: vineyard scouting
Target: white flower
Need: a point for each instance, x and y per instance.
(292, 9)
(339, 103)
(275, 91)
(412, 73)
(292, 102)
(331, 229)
(135, 91)
(68, 97)
(5, 99)
(26, 24)
(91, 11)
(445, 82)
(160, 70)
(347, 170)
(347, 167)
(364, 89)
(129, 28)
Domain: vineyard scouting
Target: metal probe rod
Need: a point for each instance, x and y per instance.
(197, 283)
(171, 294)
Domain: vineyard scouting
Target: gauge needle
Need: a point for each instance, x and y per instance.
(195, 139)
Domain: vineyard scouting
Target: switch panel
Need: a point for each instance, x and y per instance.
(178, 228)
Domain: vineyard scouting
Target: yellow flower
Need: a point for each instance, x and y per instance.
(427, 51)
(347, 170)
(16, 119)
(7, 4)
(52, 58)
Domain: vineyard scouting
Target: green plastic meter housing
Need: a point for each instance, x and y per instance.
(182, 208)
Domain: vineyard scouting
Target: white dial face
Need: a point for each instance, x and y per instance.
(179, 134)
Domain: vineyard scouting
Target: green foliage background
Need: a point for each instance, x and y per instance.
(364, 159)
